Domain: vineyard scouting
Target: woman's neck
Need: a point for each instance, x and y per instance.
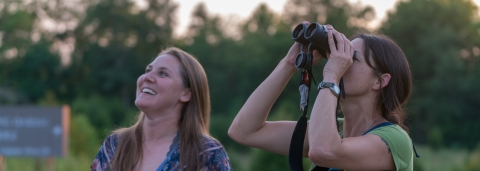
(160, 127)
(360, 116)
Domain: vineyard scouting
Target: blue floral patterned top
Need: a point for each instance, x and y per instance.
(216, 157)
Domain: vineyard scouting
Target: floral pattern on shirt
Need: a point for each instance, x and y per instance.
(216, 158)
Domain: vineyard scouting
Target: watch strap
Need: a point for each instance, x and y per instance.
(332, 86)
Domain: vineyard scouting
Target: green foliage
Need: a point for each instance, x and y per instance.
(16, 28)
(38, 67)
(83, 138)
(114, 43)
(70, 163)
(440, 158)
(344, 16)
(439, 47)
(435, 138)
(238, 161)
(104, 114)
(418, 165)
(267, 161)
(472, 163)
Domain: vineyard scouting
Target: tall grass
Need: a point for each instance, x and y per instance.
(69, 163)
(441, 159)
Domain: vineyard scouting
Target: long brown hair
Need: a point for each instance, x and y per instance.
(194, 120)
(389, 58)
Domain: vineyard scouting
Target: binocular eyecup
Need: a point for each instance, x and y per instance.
(315, 36)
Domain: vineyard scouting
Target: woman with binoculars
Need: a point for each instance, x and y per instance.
(372, 134)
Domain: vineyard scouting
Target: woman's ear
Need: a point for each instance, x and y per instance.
(186, 96)
(382, 81)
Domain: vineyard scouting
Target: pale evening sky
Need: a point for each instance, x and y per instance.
(240, 9)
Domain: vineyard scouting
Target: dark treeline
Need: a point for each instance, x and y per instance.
(89, 54)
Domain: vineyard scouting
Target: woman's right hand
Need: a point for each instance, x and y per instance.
(340, 57)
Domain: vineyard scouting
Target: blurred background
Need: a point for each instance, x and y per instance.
(89, 53)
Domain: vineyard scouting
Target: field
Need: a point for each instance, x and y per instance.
(430, 160)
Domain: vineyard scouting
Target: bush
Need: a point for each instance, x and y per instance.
(267, 161)
(83, 138)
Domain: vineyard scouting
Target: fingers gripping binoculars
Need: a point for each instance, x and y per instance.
(315, 36)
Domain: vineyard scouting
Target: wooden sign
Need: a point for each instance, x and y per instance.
(31, 131)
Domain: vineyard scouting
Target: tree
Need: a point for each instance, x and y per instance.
(342, 15)
(115, 42)
(443, 57)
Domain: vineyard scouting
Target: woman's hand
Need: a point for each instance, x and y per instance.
(340, 57)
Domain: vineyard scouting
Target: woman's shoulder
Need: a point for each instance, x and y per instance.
(393, 130)
(216, 156)
(210, 142)
(105, 153)
(111, 140)
(394, 135)
(110, 144)
(399, 143)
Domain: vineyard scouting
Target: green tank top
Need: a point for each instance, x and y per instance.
(400, 145)
(399, 142)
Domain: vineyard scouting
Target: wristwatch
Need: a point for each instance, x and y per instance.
(333, 87)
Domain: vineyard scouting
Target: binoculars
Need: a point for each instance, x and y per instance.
(315, 36)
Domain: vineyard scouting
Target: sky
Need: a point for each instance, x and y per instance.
(242, 8)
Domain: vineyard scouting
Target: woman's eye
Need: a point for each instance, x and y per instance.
(147, 70)
(163, 74)
(355, 56)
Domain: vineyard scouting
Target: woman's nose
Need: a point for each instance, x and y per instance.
(148, 77)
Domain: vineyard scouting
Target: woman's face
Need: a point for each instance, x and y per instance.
(360, 78)
(161, 87)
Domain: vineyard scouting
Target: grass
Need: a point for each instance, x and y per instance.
(441, 159)
(69, 163)
(431, 160)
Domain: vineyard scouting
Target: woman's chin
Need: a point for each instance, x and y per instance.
(141, 104)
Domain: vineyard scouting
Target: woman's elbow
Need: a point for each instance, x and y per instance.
(320, 156)
(235, 135)
(231, 133)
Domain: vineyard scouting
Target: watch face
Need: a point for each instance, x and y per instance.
(337, 89)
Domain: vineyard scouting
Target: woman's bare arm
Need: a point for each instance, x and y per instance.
(250, 127)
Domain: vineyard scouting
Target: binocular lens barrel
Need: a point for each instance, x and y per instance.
(317, 34)
(302, 60)
(311, 30)
(298, 33)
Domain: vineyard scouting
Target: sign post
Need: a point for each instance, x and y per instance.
(30, 131)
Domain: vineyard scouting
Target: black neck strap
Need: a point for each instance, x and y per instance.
(295, 155)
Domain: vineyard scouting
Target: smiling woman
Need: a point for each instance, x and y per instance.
(171, 132)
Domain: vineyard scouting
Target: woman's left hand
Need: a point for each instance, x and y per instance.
(340, 58)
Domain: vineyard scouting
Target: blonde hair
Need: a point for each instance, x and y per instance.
(193, 123)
